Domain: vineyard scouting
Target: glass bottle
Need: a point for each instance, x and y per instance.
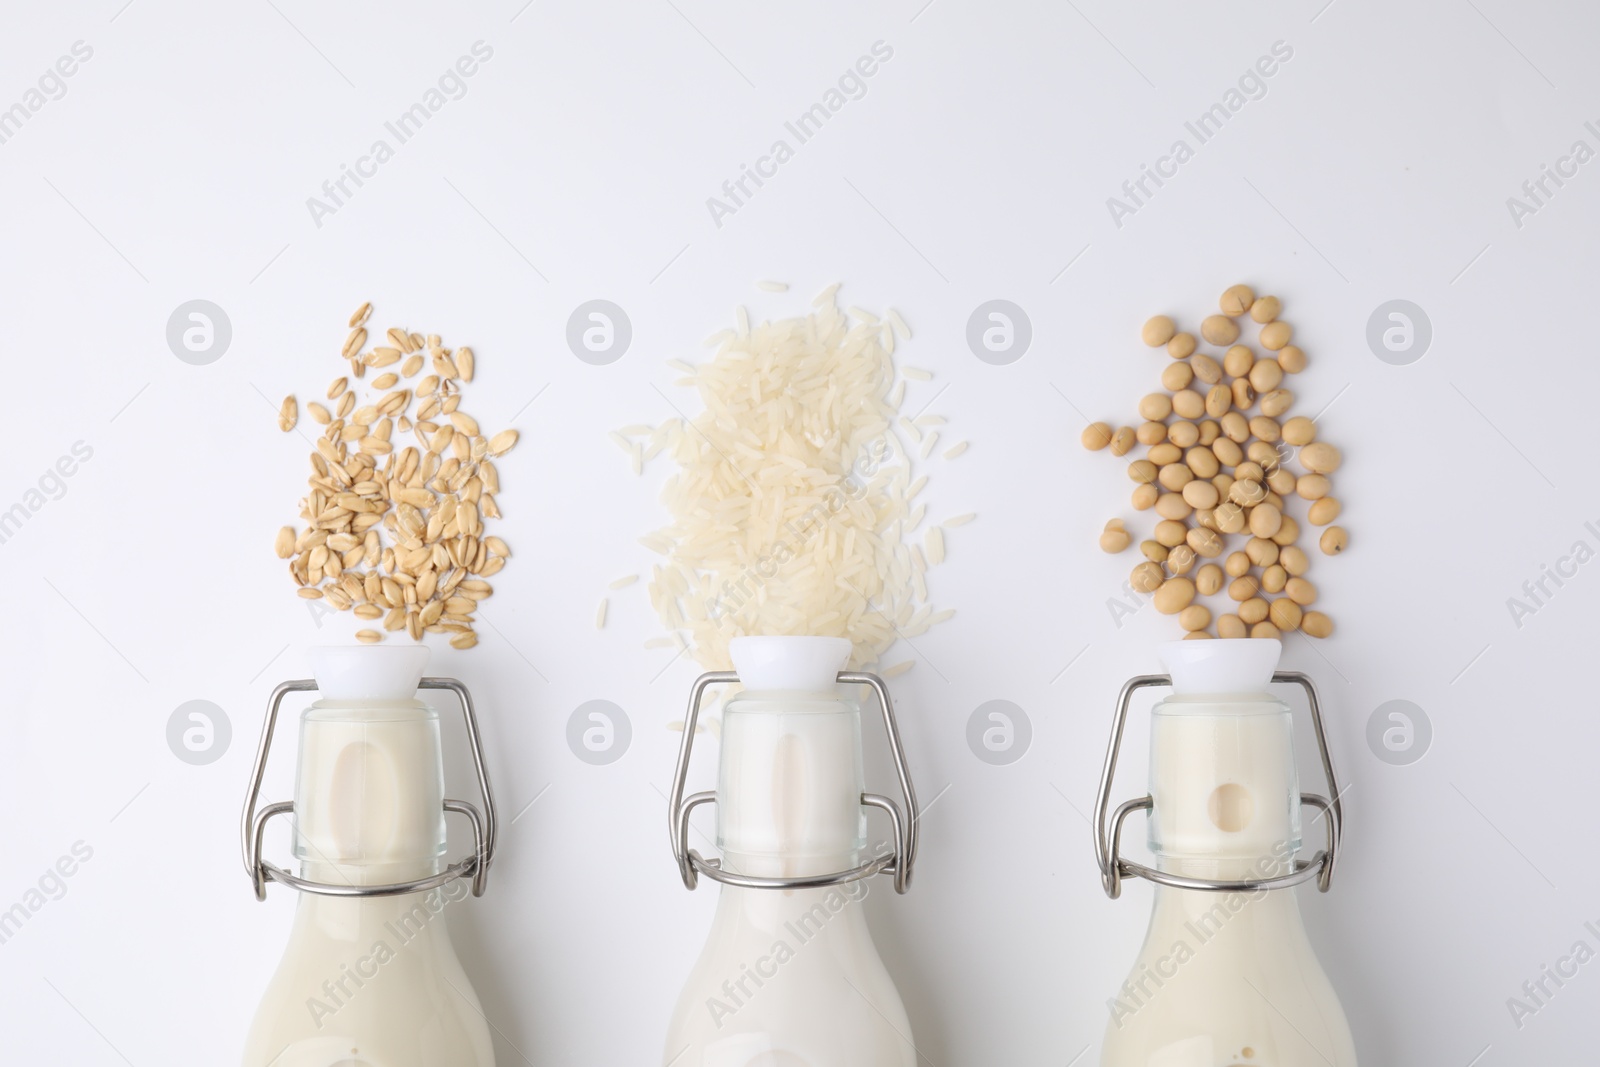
(789, 976)
(369, 977)
(1227, 975)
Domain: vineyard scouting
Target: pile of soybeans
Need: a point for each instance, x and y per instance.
(1218, 473)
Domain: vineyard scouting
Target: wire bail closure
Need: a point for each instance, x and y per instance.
(254, 823)
(898, 863)
(1108, 840)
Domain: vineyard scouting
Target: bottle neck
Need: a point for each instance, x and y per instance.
(1225, 791)
(790, 784)
(369, 799)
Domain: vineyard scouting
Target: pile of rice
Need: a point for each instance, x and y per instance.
(793, 491)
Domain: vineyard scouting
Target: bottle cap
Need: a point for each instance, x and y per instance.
(807, 664)
(1230, 667)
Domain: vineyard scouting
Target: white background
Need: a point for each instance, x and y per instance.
(977, 166)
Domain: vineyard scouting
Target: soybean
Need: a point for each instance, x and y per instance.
(1236, 299)
(1275, 334)
(1265, 309)
(1188, 404)
(1312, 486)
(1262, 553)
(1174, 595)
(1181, 346)
(1170, 533)
(1173, 506)
(1266, 375)
(1299, 431)
(1158, 330)
(1219, 329)
(1333, 541)
(1164, 453)
(1206, 369)
(1320, 457)
(1202, 461)
(1115, 538)
(1276, 402)
(1243, 395)
(1206, 542)
(1324, 511)
(1096, 435)
(1265, 520)
(1200, 494)
(1155, 406)
(1229, 518)
(1147, 577)
(1274, 578)
(1285, 614)
(1175, 476)
(1266, 429)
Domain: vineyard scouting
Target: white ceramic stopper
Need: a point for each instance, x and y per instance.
(805, 664)
(360, 673)
(1231, 667)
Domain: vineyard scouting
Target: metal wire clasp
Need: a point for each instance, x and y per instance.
(1108, 838)
(253, 825)
(898, 863)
